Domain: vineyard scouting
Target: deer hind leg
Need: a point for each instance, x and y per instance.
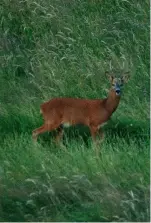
(59, 134)
(44, 128)
(94, 133)
(38, 131)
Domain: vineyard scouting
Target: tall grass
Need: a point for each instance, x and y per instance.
(62, 48)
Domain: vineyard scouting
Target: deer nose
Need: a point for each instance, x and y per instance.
(118, 91)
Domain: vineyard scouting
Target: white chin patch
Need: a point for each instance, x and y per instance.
(118, 93)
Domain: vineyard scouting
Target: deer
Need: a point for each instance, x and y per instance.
(59, 113)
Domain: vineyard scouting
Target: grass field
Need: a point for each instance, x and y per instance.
(52, 48)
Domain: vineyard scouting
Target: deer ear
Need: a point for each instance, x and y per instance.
(109, 75)
(126, 76)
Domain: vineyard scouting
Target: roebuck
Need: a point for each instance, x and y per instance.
(64, 112)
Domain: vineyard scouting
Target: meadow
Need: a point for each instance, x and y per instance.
(62, 48)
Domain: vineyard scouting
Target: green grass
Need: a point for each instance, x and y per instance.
(62, 48)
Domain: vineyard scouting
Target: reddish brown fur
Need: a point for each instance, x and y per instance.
(92, 113)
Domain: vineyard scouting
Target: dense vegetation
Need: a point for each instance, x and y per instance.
(52, 48)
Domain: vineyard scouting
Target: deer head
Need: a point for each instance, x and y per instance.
(117, 82)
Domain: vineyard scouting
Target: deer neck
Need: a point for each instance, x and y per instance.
(112, 101)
